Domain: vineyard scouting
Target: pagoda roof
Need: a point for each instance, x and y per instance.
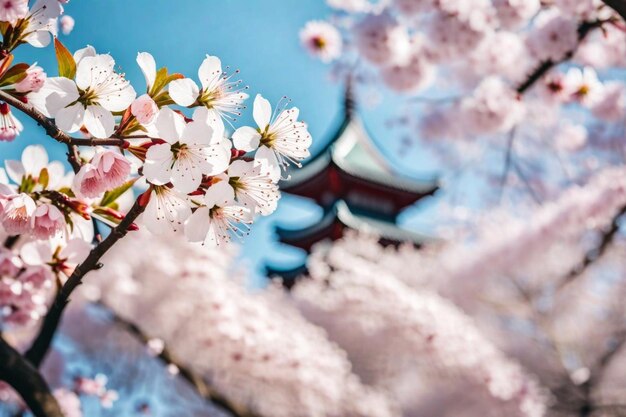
(353, 152)
(340, 217)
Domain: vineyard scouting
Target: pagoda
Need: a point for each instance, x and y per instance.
(356, 188)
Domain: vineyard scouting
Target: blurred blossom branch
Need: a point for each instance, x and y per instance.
(40, 346)
(28, 382)
(194, 379)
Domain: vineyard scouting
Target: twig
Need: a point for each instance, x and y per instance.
(590, 257)
(583, 30)
(37, 352)
(618, 5)
(196, 381)
(51, 128)
(28, 382)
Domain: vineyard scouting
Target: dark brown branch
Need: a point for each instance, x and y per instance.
(618, 5)
(195, 380)
(51, 128)
(583, 30)
(605, 241)
(41, 345)
(28, 382)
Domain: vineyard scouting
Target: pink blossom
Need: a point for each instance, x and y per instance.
(414, 75)
(113, 168)
(10, 264)
(493, 107)
(381, 39)
(47, 221)
(514, 13)
(16, 214)
(553, 37)
(106, 171)
(144, 109)
(611, 104)
(322, 40)
(13, 10)
(35, 79)
(88, 182)
(67, 24)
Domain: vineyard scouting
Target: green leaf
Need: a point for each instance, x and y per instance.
(110, 196)
(67, 65)
(14, 75)
(162, 80)
(44, 178)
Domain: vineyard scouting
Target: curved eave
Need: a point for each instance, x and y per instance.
(385, 230)
(420, 188)
(341, 213)
(287, 235)
(286, 273)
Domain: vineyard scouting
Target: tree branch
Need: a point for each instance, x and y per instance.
(28, 382)
(618, 5)
(607, 238)
(51, 128)
(37, 352)
(196, 381)
(583, 30)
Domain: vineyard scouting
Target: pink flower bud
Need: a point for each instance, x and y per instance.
(16, 214)
(144, 109)
(35, 79)
(10, 127)
(67, 24)
(47, 221)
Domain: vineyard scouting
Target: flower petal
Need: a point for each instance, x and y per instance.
(99, 121)
(197, 133)
(70, 118)
(219, 194)
(262, 111)
(34, 159)
(157, 168)
(246, 138)
(209, 71)
(148, 67)
(84, 52)
(184, 92)
(266, 159)
(197, 226)
(169, 125)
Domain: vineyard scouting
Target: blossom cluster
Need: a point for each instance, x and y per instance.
(177, 144)
(256, 350)
(409, 340)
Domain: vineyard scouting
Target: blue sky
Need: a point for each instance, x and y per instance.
(259, 37)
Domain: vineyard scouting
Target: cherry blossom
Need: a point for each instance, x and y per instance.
(47, 220)
(144, 109)
(166, 211)
(34, 80)
(281, 139)
(322, 40)
(89, 100)
(13, 10)
(219, 98)
(190, 151)
(67, 24)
